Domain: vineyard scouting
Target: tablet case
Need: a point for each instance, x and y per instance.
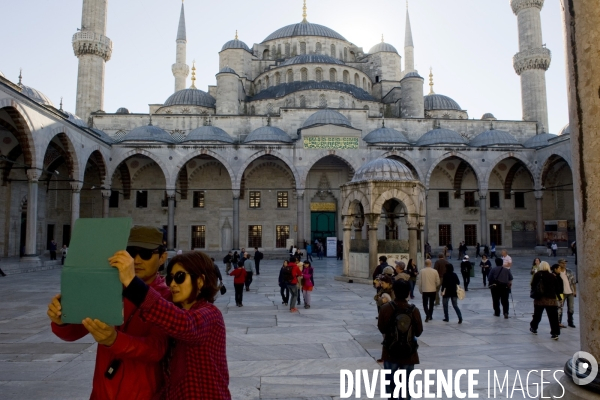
(90, 287)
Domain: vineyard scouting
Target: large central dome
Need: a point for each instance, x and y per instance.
(304, 28)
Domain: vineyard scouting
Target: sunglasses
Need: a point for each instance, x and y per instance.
(179, 277)
(145, 254)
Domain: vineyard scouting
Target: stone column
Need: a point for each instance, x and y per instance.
(32, 209)
(236, 219)
(373, 220)
(75, 203)
(413, 241)
(540, 218)
(105, 203)
(483, 217)
(426, 227)
(348, 221)
(300, 218)
(171, 220)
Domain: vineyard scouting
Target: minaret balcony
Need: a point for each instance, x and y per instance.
(532, 59)
(86, 42)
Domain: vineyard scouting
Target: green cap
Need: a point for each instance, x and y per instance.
(146, 237)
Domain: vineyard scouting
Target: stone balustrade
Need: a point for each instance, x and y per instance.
(532, 59)
(92, 43)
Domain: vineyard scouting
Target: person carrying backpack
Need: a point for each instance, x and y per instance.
(401, 324)
(308, 282)
(227, 261)
(291, 274)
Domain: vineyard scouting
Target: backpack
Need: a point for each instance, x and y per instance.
(537, 292)
(287, 274)
(227, 259)
(400, 341)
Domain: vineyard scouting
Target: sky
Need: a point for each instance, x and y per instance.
(468, 43)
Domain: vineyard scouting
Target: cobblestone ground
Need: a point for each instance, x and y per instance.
(274, 354)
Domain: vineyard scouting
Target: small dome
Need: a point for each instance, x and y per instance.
(488, 117)
(236, 44)
(268, 134)
(311, 59)
(148, 133)
(304, 28)
(208, 134)
(191, 97)
(440, 102)
(36, 95)
(441, 136)
(386, 135)
(326, 117)
(565, 131)
(493, 137)
(538, 141)
(123, 110)
(75, 119)
(413, 74)
(383, 48)
(383, 169)
(227, 70)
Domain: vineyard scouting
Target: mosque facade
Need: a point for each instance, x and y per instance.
(259, 158)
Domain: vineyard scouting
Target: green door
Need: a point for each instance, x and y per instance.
(322, 225)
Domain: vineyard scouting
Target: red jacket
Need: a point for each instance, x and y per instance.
(295, 273)
(139, 344)
(239, 275)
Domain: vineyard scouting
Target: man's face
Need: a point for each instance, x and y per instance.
(504, 253)
(146, 269)
(562, 267)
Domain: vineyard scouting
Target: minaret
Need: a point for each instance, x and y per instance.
(93, 49)
(180, 69)
(409, 48)
(532, 61)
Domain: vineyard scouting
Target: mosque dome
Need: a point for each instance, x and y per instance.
(75, 119)
(208, 134)
(440, 102)
(311, 59)
(488, 117)
(285, 89)
(383, 169)
(326, 117)
(36, 95)
(268, 134)
(191, 97)
(538, 141)
(383, 48)
(494, 137)
(386, 135)
(123, 110)
(566, 130)
(148, 133)
(441, 136)
(236, 44)
(304, 28)
(227, 70)
(413, 74)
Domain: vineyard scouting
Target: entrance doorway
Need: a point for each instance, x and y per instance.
(322, 225)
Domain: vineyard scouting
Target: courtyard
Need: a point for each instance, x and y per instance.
(273, 354)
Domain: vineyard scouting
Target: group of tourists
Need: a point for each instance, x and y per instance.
(243, 271)
(296, 281)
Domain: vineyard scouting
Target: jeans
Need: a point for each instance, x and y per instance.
(551, 312)
(239, 293)
(466, 280)
(306, 294)
(392, 386)
(257, 266)
(454, 305)
(309, 256)
(285, 294)
(227, 267)
(428, 300)
(553, 253)
(412, 288)
(570, 299)
(294, 294)
(248, 279)
(485, 272)
(500, 295)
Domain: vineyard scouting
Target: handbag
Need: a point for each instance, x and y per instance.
(460, 292)
(223, 290)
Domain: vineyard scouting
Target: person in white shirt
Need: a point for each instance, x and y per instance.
(506, 260)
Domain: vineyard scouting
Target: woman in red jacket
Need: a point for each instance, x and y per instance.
(239, 280)
(197, 364)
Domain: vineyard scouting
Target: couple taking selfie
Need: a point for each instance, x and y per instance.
(172, 343)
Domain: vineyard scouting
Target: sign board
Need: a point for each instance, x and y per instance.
(331, 247)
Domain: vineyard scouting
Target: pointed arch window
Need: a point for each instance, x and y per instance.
(333, 50)
(319, 75)
(270, 109)
(345, 54)
(277, 78)
(267, 82)
(342, 102)
(318, 48)
(287, 50)
(346, 77)
(364, 84)
(290, 76)
(304, 75)
(252, 110)
(302, 47)
(356, 80)
(322, 101)
(332, 75)
(302, 102)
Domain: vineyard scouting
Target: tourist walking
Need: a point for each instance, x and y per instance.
(300, 265)
(449, 293)
(545, 288)
(427, 250)
(309, 250)
(239, 280)
(493, 250)
(486, 266)
(291, 275)
(449, 246)
(283, 285)
(235, 258)
(63, 254)
(320, 250)
(227, 261)
(250, 271)
(308, 282)
(506, 259)
(52, 248)
(379, 268)
(477, 250)
(440, 267)
(400, 271)
(465, 271)
(554, 249)
(428, 284)
(413, 271)
(257, 257)
(535, 266)
(569, 293)
(500, 280)
(392, 359)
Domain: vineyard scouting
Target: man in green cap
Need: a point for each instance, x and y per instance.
(128, 356)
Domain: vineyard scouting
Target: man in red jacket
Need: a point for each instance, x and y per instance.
(128, 356)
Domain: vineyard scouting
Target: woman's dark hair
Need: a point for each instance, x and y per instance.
(241, 262)
(198, 264)
(306, 264)
(385, 278)
(449, 268)
(401, 289)
(499, 262)
(410, 263)
(537, 258)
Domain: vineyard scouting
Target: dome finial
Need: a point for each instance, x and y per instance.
(193, 75)
(304, 12)
(236, 35)
(382, 38)
(431, 81)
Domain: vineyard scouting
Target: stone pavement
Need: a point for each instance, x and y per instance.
(274, 354)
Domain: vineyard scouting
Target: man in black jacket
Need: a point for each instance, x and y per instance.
(500, 282)
(257, 257)
(465, 270)
(379, 269)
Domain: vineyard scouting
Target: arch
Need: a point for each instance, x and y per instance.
(408, 161)
(518, 156)
(267, 81)
(319, 75)
(302, 47)
(290, 76)
(318, 48)
(356, 80)
(304, 75)
(458, 178)
(332, 51)
(510, 176)
(322, 101)
(203, 152)
(142, 169)
(236, 183)
(125, 178)
(182, 180)
(398, 195)
(277, 78)
(98, 159)
(346, 76)
(352, 163)
(333, 75)
(355, 196)
(170, 181)
(266, 54)
(364, 86)
(269, 164)
(547, 165)
(68, 151)
(23, 128)
(478, 173)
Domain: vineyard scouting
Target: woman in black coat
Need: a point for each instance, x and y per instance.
(545, 288)
(449, 284)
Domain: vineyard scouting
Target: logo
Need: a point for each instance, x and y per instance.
(583, 362)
